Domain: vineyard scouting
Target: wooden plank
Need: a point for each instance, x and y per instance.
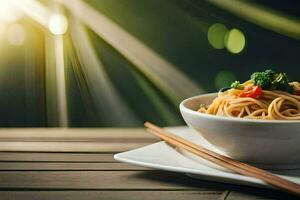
(69, 146)
(74, 139)
(73, 133)
(55, 157)
(250, 194)
(123, 139)
(240, 196)
(45, 166)
(110, 195)
(104, 180)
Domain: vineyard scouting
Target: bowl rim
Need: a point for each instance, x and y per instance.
(183, 108)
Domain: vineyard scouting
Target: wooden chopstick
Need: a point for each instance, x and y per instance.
(207, 151)
(224, 161)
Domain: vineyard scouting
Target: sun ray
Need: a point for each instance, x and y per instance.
(34, 9)
(105, 96)
(57, 109)
(163, 74)
(61, 82)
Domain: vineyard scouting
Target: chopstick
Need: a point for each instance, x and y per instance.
(224, 161)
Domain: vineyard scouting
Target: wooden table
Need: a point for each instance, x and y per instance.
(78, 164)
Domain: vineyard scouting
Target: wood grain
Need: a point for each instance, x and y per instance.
(244, 194)
(105, 180)
(69, 146)
(56, 157)
(69, 166)
(74, 140)
(96, 175)
(238, 196)
(73, 133)
(110, 195)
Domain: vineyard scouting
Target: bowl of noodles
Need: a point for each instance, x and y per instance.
(257, 121)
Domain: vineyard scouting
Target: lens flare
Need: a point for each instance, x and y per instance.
(58, 24)
(235, 41)
(8, 13)
(216, 34)
(16, 34)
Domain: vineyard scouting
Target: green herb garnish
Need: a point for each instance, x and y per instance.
(237, 85)
(270, 80)
(263, 79)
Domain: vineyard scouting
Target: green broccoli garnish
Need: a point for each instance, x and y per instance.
(281, 79)
(281, 82)
(263, 79)
(237, 85)
(270, 80)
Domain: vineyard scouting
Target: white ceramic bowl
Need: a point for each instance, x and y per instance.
(271, 144)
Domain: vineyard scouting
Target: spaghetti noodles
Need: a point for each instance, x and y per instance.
(254, 102)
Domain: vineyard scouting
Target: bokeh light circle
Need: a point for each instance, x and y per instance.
(16, 34)
(224, 79)
(235, 41)
(216, 35)
(58, 24)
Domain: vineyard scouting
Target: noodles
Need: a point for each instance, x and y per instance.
(268, 105)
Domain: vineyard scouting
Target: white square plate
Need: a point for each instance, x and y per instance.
(162, 156)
